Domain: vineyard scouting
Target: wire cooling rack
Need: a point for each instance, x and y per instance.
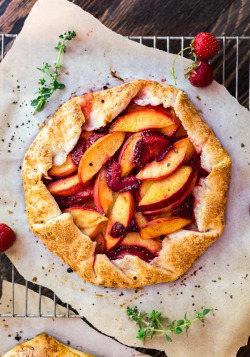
(231, 68)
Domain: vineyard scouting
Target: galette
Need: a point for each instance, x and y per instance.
(44, 345)
(128, 185)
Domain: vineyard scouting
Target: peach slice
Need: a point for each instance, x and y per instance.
(140, 219)
(170, 130)
(67, 168)
(141, 120)
(103, 196)
(162, 226)
(164, 192)
(87, 219)
(65, 187)
(127, 154)
(180, 133)
(145, 186)
(166, 167)
(122, 213)
(190, 151)
(168, 209)
(98, 154)
(134, 239)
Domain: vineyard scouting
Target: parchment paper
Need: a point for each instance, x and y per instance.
(219, 278)
(72, 331)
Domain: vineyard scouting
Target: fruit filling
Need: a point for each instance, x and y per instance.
(129, 184)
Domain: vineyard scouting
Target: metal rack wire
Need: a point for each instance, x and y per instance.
(229, 45)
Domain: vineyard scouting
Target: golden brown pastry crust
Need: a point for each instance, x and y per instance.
(44, 346)
(58, 231)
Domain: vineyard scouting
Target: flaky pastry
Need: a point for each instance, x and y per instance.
(44, 345)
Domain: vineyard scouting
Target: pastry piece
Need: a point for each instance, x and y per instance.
(139, 198)
(44, 345)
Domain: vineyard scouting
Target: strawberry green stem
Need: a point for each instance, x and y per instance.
(172, 67)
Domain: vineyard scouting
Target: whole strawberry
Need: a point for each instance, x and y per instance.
(205, 45)
(7, 237)
(200, 74)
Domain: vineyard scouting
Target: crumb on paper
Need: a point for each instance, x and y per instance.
(34, 279)
(114, 74)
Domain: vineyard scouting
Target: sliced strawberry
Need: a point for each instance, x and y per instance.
(75, 200)
(158, 144)
(137, 154)
(114, 181)
(186, 208)
(120, 252)
(78, 151)
(195, 162)
(132, 227)
(93, 138)
(118, 230)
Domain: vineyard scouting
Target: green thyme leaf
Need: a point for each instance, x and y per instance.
(46, 91)
(155, 325)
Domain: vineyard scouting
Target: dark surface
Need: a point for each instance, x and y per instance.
(162, 18)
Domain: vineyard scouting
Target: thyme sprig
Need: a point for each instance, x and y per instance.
(45, 90)
(155, 325)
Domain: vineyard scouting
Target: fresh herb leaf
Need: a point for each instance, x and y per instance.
(154, 324)
(45, 91)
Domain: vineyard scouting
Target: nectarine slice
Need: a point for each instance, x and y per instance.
(127, 154)
(166, 167)
(168, 209)
(140, 219)
(103, 196)
(180, 133)
(98, 154)
(122, 212)
(162, 226)
(170, 130)
(123, 209)
(65, 187)
(164, 192)
(141, 120)
(87, 219)
(67, 168)
(134, 239)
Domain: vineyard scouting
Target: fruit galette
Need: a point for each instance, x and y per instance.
(44, 345)
(128, 185)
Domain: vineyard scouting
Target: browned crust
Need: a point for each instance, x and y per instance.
(58, 231)
(44, 345)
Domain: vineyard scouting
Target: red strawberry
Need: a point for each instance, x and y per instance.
(7, 237)
(200, 74)
(205, 45)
